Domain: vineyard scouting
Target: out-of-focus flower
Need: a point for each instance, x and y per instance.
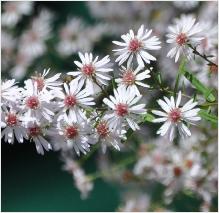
(136, 203)
(32, 42)
(13, 11)
(74, 99)
(137, 45)
(11, 120)
(131, 78)
(175, 116)
(184, 31)
(10, 92)
(82, 182)
(91, 71)
(124, 108)
(186, 5)
(73, 38)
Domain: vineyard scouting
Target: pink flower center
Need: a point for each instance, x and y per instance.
(177, 171)
(88, 69)
(121, 109)
(189, 164)
(34, 131)
(32, 102)
(102, 129)
(175, 115)
(181, 39)
(40, 82)
(134, 45)
(71, 132)
(128, 77)
(70, 101)
(11, 120)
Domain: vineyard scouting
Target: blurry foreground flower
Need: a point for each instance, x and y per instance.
(175, 116)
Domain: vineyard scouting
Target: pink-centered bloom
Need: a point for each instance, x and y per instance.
(184, 31)
(175, 116)
(137, 46)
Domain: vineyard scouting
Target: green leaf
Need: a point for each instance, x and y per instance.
(207, 92)
(209, 117)
(148, 117)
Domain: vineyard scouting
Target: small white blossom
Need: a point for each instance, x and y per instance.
(74, 99)
(75, 134)
(47, 84)
(37, 132)
(136, 45)
(124, 108)
(11, 121)
(184, 31)
(36, 104)
(175, 116)
(91, 70)
(107, 135)
(131, 78)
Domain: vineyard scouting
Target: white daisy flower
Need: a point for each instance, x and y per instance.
(10, 92)
(107, 135)
(36, 104)
(175, 116)
(74, 99)
(77, 135)
(124, 108)
(136, 45)
(11, 121)
(184, 31)
(36, 132)
(44, 84)
(91, 70)
(131, 78)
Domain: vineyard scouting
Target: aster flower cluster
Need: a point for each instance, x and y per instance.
(104, 100)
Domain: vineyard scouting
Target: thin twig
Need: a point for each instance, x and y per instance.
(202, 56)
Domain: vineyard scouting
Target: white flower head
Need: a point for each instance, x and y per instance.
(107, 134)
(91, 70)
(76, 135)
(184, 31)
(37, 132)
(36, 105)
(137, 45)
(74, 99)
(11, 121)
(131, 78)
(175, 116)
(47, 84)
(124, 108)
